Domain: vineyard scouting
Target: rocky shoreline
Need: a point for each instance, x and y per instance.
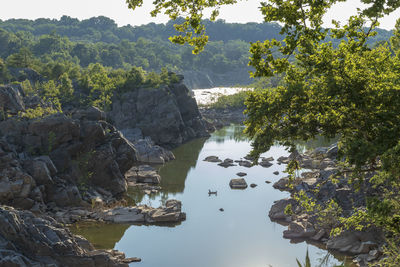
(77, 166)
(218, 118)
(315, 226)
(27, 239)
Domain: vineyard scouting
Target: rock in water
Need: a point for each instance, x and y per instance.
(265, 164)
(239, 183)
(245, 163)
(227, 163)
(212, 159)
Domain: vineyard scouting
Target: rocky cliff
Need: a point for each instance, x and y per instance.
(55, 159)
(70, 165)
(28, 240)
(168, 115)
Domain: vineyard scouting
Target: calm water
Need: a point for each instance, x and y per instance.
(242, 235)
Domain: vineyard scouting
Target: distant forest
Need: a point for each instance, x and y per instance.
(31, 43)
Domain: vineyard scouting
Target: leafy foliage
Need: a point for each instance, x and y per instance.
(347, 89)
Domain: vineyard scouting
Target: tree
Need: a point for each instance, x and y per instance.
(50, 93)
(4, 75)
(66, 88)
(350, 90)
(23, 59)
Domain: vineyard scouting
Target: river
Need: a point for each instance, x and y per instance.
(241, 235)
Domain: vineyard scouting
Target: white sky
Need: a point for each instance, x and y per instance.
(246, 11)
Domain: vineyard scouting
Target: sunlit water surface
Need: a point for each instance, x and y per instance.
(242, 235)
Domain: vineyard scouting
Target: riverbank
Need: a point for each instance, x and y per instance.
(238, 235)
(76, 164)
(328, 200)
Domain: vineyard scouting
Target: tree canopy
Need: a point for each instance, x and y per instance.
(350, 90)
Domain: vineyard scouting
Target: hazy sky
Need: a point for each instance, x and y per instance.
(246, 11)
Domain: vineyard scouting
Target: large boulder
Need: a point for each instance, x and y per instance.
(169, 114)
(299, 230)
(27, 240)
(143, 174)
(11, 99)
(277, 211)
(238, 183)
(147, 152)
(355, 242)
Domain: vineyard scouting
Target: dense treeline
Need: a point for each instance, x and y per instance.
(148, 54)
(103, 29)
(100, 40)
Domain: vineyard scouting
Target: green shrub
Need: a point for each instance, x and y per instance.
(38, 112)
(230, 101)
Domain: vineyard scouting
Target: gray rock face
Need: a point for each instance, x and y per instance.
(169, 115)
(11, 99)
(239, 183)
(282, 184)
(46, 160)
(147, 152)
(332, 151)
(277, 211)
(299, 230)
(91, 114)
(143, 174)
(354, 242)
(27, 240)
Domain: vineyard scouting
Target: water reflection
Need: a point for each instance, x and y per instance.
(319, 141)
(241, 235)
(177, 170)
(233, 132)
(101, 235)
(173, 174)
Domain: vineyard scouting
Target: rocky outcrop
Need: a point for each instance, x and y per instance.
(22, 74)
(57, 158)
(168, 115)
(170, 213)
(27, 240)
(143, 174)
(11, 100)
(148, 152)
(315, 183)
(277, 211)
